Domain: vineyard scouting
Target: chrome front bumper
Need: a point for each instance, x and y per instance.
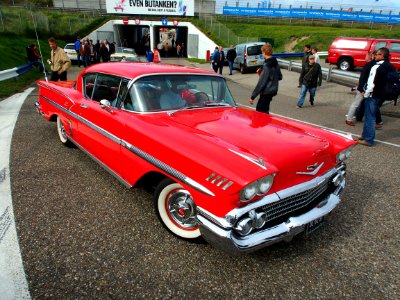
(220, 233)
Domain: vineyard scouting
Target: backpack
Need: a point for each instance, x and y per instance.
(391, 90)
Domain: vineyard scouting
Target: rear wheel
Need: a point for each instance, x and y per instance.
(176, 210)
(345, 64)
(62, 134)
(242, 69)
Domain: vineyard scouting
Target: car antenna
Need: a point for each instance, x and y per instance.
(40, 49)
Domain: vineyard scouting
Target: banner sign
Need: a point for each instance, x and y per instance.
(151, 7)
(311, 14)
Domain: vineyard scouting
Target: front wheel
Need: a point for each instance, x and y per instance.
(176, 210)
(345, 64)
(62, 134)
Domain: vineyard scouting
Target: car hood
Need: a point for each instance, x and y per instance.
(257, 139)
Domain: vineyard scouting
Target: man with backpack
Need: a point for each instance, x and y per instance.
(376, 94)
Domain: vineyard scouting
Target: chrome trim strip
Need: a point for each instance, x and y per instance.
(55, 90)
(257, 162)
(152, 160)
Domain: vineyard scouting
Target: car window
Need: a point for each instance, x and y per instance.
(172, 92)
(380, 45)
(88, 85)
(254, 50)
(394, 47)
(69, 47)
(106, 87)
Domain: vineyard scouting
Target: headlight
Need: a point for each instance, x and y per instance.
(264, 184)
(259, 187)
(244, 226)
(248, 192)
(343, 155)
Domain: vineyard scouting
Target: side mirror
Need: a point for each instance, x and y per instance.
(105, 103)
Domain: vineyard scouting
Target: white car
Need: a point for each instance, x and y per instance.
(70, 50)
(124, 54)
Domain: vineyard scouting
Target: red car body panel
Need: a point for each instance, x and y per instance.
(356, 50)
(235, 143)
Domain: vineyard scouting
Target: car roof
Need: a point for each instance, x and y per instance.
(132, 69)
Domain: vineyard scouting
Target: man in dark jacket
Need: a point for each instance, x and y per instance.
(374, 94)
(310, 77)
(230, 57)
(268, 82)
(218, 60)
(305, 60)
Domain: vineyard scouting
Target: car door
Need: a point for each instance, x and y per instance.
(100, 126)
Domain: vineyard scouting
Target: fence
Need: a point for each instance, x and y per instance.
(20, 20)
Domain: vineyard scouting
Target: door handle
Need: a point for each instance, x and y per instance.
(83, 106)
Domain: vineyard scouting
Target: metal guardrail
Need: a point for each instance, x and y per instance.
(330, 74)
(14, 72)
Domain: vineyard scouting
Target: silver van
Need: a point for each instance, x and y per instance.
(249, 57)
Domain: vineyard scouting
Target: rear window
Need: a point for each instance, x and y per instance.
(254, 50)
(70, 47)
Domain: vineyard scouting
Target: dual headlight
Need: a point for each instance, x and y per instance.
(259, 187)
(343, 155)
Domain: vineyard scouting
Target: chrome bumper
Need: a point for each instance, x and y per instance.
(217, 232)
(226, 241)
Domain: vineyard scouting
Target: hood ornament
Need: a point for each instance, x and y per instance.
(312, 169)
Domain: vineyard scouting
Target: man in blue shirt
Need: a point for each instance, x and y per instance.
(77, 47)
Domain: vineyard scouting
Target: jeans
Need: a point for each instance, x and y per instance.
(230, 67)
(303, 93)
(371, 108)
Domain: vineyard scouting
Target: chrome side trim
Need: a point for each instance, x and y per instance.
(167, 169)
(57, 91)
(147, 157)
(259, 162)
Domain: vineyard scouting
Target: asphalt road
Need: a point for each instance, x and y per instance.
(84, 235)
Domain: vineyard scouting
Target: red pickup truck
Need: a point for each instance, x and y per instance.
(347, 52)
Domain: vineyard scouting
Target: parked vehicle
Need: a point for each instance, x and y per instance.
(249, 57)
(70, 51)
(239, 178)
(347, 52)
(127, 54)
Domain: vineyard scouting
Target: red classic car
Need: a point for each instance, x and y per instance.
(240, 179)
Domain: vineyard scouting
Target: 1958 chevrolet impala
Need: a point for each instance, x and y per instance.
(240, 179)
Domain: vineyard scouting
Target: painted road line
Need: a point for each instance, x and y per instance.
(13, 284)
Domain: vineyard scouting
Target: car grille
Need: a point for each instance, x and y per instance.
(295, 202)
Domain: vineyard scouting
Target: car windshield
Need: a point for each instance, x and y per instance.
(70, 47)
(175, 92)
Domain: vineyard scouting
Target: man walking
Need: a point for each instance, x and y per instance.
(268, 82)
(230, 57)
(374, 96)
(305, 60)
(59, 61)
(310, 77)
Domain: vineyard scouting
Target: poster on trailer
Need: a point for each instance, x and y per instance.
(151, 7)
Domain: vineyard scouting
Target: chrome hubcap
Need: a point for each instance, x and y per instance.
(182, 209)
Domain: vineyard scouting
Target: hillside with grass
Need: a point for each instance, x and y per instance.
(19, 26)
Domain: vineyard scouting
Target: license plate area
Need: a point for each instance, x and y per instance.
(314, 225)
